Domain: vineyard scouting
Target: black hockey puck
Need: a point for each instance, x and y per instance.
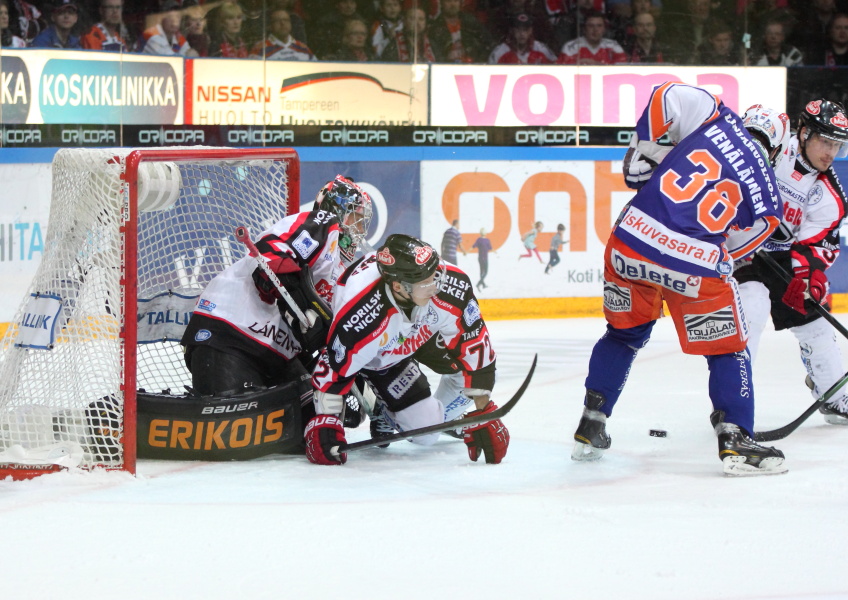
(658, 433)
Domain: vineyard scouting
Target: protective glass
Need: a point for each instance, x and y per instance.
(838, 147)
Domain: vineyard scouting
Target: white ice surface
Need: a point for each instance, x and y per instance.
(654, 519)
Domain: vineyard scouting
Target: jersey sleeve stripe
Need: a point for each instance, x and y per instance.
(752, 244)
(658, 122)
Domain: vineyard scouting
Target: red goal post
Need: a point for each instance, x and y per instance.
(133, 238)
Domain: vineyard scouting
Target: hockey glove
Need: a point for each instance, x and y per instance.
(637, 169)
(805, 280)
(491, 438)
(268, 292)
(321, 434)
(312, 335)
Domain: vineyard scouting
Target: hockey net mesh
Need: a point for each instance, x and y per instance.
(62, 380)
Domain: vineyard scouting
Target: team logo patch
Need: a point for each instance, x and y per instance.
(202, 335)
(813, 107)
(423, 254)
(616, 299)
(385, 257)
(471, 314)
(206, 305)
(816, 194)
(304, 244)
(797, 176)
(711, 326)
(724, 268)
(839, 120)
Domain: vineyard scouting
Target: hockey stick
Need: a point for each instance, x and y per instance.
(439, 427)
(243, 236)
(821, 310)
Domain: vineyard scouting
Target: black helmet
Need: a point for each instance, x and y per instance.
(406, 259)
(352, 205)
(827, 118)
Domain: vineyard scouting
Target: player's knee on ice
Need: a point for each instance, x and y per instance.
(421, 414)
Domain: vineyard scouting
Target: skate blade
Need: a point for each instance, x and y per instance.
(835, 419)
(737, 466)
(586, 452)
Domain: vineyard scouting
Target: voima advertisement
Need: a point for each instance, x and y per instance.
(510, 96)
(43, 87)
(238, 92)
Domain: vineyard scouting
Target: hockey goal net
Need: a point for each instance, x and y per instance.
(133, 238)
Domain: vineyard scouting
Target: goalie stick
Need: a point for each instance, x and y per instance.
(439, 427)
(782, 432)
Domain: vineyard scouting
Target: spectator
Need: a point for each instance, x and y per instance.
(627, 9)
(520, 47)
(502, 16)
(7, 38)
(719, 49)
(27, 22)
(775, 52)
(325, 35)
(684, 35)
(226, 39)
(165, 38)
(280, 45)
(411, 44)
(109, 33)
(451, 242)
(64, 17)
(835, 52)
(354, 46)
(592, 48)
(813, 26)
(384, 29)
(298, 26)
(194, 29)
(621, 26)
(643, 46)
(253, 24)
(459, 37)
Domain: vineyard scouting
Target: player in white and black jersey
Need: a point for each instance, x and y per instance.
(242, 332)
(805, 244)
(393, 310)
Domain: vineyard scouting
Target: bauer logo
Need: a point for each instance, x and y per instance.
(109, 92)
(15, 89)
(616, 299)
(711, 326)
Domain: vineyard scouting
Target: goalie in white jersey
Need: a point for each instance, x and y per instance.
(242, 332)
(805, 244)
(393, 310)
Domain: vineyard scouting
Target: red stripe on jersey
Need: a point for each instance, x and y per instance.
(825, 231)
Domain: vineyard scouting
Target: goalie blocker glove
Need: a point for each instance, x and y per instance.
(323, 433)
(491, 439)
(640, 161)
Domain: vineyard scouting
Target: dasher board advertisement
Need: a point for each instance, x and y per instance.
(514, 96)
(240, 92)
(504, 201)
(105, 88)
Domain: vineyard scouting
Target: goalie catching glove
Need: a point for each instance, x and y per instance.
(321, 434)
(641, 160)
(809, 280)
(491, 439)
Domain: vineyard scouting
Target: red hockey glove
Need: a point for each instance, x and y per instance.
(268, 292)
(321, 434)
(491, 438)
(804, 280)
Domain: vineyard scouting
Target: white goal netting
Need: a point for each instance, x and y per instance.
(132, 240)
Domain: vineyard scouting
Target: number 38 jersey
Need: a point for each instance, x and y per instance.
(715, 179)
(371, 332)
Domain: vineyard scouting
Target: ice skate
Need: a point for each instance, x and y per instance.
(741, 455)
(591, 439)
(380, 426)
(835, 413)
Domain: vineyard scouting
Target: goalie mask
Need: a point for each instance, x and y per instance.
(827, 119)
(770, 128)
(352, 205)
(414, 264)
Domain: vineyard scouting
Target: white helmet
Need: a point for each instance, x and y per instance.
(770, 128)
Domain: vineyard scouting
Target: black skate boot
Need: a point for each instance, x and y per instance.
(591, 437)
(380, 426)
(740, 454)
(835, 413)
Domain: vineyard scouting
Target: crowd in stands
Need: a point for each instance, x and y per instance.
(572, 32)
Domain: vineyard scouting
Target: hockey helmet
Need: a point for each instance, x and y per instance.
(770, 128)
(406, 259)
(828, 119)
(352, 205)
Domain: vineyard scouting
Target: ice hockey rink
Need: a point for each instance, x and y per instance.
(656, 518)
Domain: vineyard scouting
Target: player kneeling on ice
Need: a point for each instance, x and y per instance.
(669, 245)
(393, 310)
(804, 246)
(244, 332)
